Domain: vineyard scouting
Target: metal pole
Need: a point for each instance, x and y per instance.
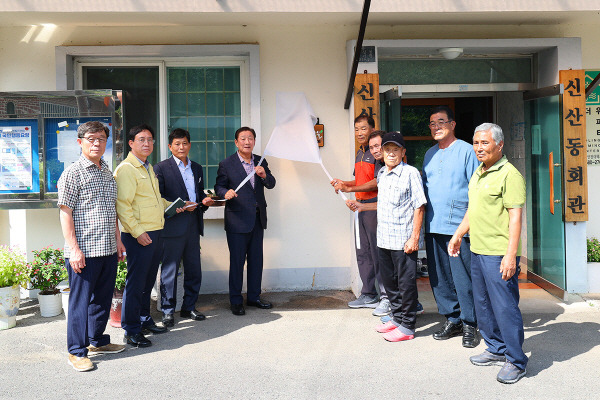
(357, 50)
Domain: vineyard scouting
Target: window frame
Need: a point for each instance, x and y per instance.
(70, 59)
(163, 64)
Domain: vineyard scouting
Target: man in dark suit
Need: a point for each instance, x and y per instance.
(245, 218)
(178, 176)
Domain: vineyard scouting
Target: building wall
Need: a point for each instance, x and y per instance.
(309, 239)
(4, 228)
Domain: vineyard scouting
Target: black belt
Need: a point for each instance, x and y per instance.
(373, 200)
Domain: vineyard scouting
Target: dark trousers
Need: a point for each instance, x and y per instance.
(90, 298)
(367, 257)
(173, 250)
(141, 276)
(497, 308)
(450, 279)
(399, 273)
(242, 247)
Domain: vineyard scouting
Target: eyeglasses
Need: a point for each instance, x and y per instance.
(94, 140)
(438, 124)
(146, 140)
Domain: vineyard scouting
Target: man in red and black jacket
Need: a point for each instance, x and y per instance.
(364, 172)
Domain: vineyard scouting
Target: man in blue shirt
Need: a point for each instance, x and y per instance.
(447, 168)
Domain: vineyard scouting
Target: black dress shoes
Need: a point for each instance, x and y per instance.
(265, 305)
(194, 314)
(168, 320)
(238, 309)
(153, 329)
(471, 336)
(448, 330)
(138, 340)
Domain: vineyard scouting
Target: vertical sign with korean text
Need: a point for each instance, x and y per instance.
(592, 120)
(574, 145)
(366, 97)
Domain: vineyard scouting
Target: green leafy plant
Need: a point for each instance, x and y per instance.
(593, 250)
(13, 267)
(121, 275)
(48, 270)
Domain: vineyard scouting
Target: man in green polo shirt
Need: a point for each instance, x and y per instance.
(493, 220)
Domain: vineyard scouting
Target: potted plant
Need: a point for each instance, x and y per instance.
(117, 301)
(593, 259)
(47, 272)
(14, 272)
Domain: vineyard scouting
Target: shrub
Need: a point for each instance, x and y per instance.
(48, 270)
(13, 267)
(593, 250)
(121, 275)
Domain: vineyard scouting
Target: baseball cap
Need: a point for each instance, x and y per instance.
(393, 137)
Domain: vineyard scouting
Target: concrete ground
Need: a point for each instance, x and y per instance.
(310, 346)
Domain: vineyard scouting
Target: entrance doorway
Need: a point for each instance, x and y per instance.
(542, 235)
(410, 116)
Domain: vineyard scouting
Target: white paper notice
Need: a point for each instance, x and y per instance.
(15, 158)
(68, 148)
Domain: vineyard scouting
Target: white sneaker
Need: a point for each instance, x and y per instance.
(383, 308)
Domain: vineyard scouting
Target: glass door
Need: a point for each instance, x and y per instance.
(545, 227)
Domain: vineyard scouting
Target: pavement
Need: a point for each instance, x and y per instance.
(309, 346)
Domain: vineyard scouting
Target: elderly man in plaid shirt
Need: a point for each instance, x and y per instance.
(87, 196)
(400, 209)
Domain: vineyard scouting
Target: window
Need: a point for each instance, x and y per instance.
(176, 86)
(206, 102)
(460, 71)
(140, 94)
(203, 99)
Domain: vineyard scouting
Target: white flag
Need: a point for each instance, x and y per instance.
(294, 135)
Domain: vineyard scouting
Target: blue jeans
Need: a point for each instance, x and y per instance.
(450, 279)
(497, 308)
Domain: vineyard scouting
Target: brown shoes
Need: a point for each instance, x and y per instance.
(107, 349)
(80, 364)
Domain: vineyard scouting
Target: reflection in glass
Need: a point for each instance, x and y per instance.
(211, 111)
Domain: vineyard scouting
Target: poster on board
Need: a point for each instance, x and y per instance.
(62, 148)
(15, 158)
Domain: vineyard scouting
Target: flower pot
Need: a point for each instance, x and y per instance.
(65, 301)
(115, 308)
(50, 304)
(9, 306)
(593, 269)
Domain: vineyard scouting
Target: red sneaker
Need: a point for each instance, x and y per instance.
(396, 335)
(387, 327)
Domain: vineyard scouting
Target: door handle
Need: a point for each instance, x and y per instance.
(551, 173)
(551, 166)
